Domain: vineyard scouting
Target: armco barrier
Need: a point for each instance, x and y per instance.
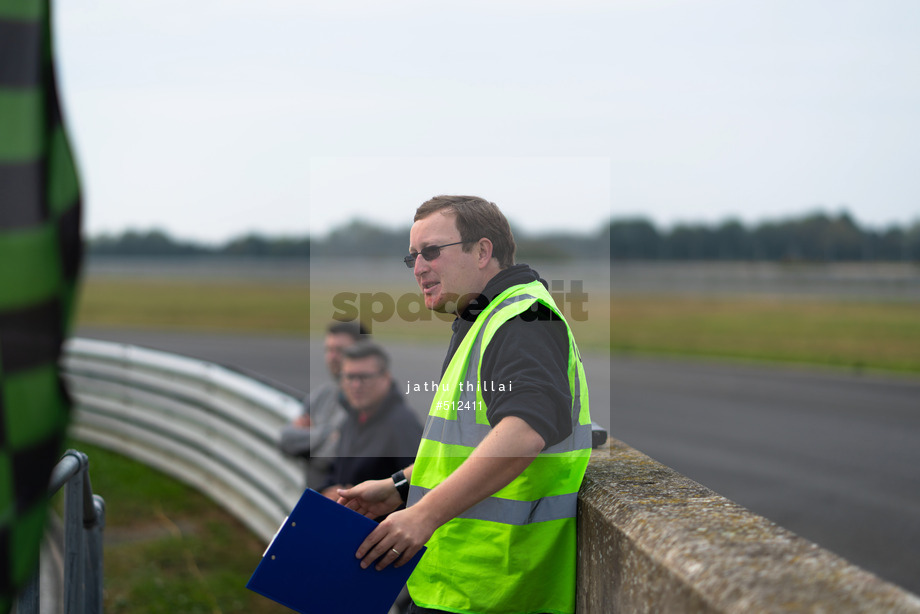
(199, 422)
(651, 540)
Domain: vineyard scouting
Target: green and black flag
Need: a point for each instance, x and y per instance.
(39, 261)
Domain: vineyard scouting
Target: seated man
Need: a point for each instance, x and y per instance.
(314, 434)
(381, 434)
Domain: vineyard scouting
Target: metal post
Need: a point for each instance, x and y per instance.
(29, 599)
(74, 551)
(84, 522)
(94, 562)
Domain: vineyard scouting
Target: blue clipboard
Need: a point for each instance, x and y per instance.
(310, 565)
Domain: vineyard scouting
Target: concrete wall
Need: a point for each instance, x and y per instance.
(652, 540)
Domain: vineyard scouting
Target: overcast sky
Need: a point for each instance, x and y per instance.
(213, 118)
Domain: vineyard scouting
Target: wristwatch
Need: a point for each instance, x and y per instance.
(402, 485)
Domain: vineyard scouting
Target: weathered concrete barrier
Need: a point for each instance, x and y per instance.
(652, 540)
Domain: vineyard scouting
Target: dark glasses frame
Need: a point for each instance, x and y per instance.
(429, 253)
(362, 378)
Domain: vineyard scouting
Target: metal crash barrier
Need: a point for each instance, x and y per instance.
(207, 425)
(84, 520)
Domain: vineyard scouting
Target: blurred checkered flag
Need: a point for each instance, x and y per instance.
(39, 259)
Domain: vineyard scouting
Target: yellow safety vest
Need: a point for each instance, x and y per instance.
(514, 552)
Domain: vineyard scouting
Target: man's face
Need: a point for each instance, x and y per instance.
(364, 383)
(334, 345)
(452, 279)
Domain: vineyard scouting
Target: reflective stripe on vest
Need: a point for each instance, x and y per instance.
(509, 511)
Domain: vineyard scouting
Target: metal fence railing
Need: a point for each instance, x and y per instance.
(212, 427)
(84, 521)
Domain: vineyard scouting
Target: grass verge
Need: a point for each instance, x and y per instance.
(169, 548)
(851, 334)
(861, 334)
(195, 304)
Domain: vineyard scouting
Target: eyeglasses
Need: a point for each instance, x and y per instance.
(360, 378)
(429, 253)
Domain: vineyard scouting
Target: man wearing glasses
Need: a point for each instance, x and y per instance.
(314, 434)
(493, 489)
(381, 433)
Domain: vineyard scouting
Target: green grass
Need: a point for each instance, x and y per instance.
(278, 308)
(169, 548)
(851, 334)
(864, 334)
(266, 308)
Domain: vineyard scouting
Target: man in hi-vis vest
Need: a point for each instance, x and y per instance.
(493, 489)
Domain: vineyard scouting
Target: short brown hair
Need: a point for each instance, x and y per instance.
(476, 218)
(352, 328)
(363, 349)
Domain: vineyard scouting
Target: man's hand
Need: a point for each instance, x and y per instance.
(397, 539)
(303, 421)
(372, 498)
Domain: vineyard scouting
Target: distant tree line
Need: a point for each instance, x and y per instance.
(814, 237)
(159, 243)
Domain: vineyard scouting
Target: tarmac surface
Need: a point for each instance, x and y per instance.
(830, 455)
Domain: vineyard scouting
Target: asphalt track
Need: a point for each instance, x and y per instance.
(832, 456)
